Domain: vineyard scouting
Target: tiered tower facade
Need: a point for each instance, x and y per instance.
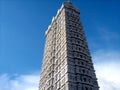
(67, 63)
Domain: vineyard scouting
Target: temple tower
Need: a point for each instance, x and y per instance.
(67, 63)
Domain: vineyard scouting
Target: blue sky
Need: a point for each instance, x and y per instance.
(24, 22)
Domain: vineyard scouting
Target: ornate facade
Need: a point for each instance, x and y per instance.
(67, 63)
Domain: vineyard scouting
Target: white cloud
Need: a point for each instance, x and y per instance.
(19, 82)
(107, 65)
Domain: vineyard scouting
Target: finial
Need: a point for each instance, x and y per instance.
(68, 0)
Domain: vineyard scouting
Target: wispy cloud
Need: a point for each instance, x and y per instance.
(107, 65)
(108, 34)
(19, 82)
(106, 56)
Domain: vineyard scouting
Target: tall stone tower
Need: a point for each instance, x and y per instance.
(67, 63)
